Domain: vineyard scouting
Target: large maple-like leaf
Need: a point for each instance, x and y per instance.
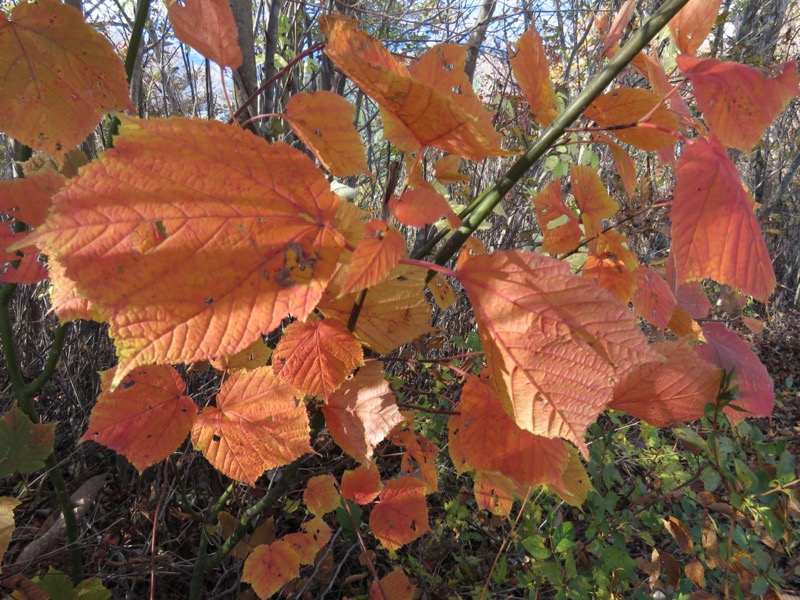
(491, 441)
(362, 413)
(432, 104)
(378, 253)
(715, 233)
(271, 566)
(737, 101)
(316, 357)
(532, 72)
(24, 445)
(625, 106)
(693, 23)
(558, 223)
(207, 26)
(60, 75)
(245, 232)
(554, 342)
(256, 425)
(401, 515)
(324, 121)
(146, 418)
(756, 394)
(673, 390)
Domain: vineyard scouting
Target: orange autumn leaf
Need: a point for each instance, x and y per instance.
(558, 223)
(673, 390)
(45, 104)
(554, 342)
(623, 162)
(256, 425)
(321, 495)
(610, 273)
(317, 356)
(715, 233)
(395, 586)
(419, 459)
(532, 72)
(492, 442)
(576, 484)
(652, 300)
(419, 207)
(419, 106)
(615, 244)
(378, 253)
(442, 293)
(737, 101)
(207, 26)
(25, 272)
(621, 20)
(592, 198)
(400, 516)
(255, 355)
(248, 239)
(691, 26)
(494, 492)
(361, 485)
(29, 200)
(756, 394)
(682, 324)
(324, 121)
(362, 413)
(625, 106)
(68, 303)
(146, 418)
(270, 567)
(446, 170)
(7, 525)
(307, 544)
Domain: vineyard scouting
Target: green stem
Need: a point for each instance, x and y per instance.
(483, 205)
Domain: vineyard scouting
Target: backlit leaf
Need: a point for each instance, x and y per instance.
(324, 121)
(321, 495)
(7, 506)
(207, 26)
(400, 515)
(60, 75)
(248, 239)
(362, 413)
(68, 303)
(395, 586)
(256, 425)
(652, 300)
(146, 418)
(576, 484)
(673, 390)
(442, 293)
(532, 72)
(592, 198)
(727, 350)
(419, 107)
(29, 200)
(419, 459)
(623, 162)
(270, 567)
(446, 170)
(737, 101)
(24, 445)
(255, 355)
(317, 356)
(494, 492)
(691, 26)
(558, 223)
(625, 106)
(610, 273)
(554, 342)
(362, 485)
(419, 207)
(492, 442)
(715, 233)
(378, 253)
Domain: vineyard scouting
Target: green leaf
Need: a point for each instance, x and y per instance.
(59, 587)
(711, 479)
(23, 445)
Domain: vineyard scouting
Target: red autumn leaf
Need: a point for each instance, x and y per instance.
(270, 567)
(610, 273)
(693, 299)
(419, 459)
(691, 26)
(248, 239)
(419, 106)
(321, 495)
(362, 485)
(310, 541)
(324, 121)
(554, 342)
(621, 20)
(532, 72)
(446, 170)
(21, 266)
(728, 351)
(362, 413)
(625, 106)
(317, 356)
(454, 444)
(654, 70)
(592, 198)
(255, 355)
(60, 75)
(146, 418)
(401, 515)
(395, 586)
(492, 442)
(494, 492)
(652, 300)
(419, 207)
(393, 313)
(673, 390)
(558, 223)
(256, 425)
(623, 162)
(207, 26)
(715, 233)
(378, 253)
(29, 200)
(68, 303)
(737, 101)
